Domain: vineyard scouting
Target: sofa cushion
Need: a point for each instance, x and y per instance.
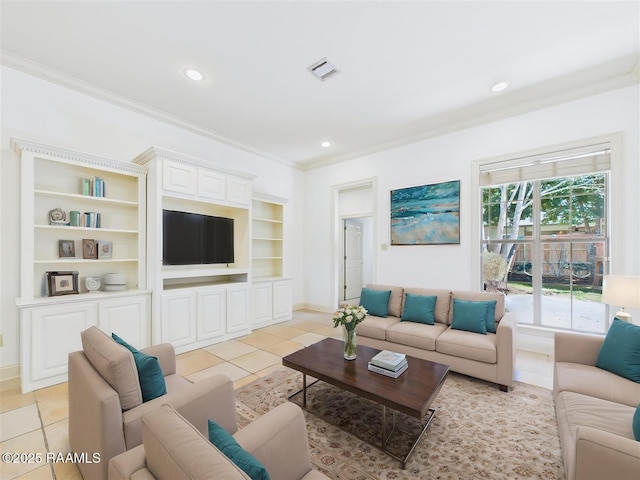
(575, 411)
(376, 302)
(636, 423)
(176, 449)
(479, 297)
(419, 308)
(238, 455)
(620, 351)
(583, 410)
(468, 345)
(376, 327)
(443, 302)
(471, 316)
(595, 382)
(115, 364)
(150, 375)
(395, 300)
(414, 334)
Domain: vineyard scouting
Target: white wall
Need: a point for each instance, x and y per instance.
(39, 111)
(449, 157)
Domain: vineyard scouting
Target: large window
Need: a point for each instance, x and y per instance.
(545, 239)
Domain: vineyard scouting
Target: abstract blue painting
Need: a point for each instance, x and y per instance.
(426, 215)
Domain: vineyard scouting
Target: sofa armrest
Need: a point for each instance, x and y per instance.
(506, 349)
(574, 347)
(166, 356)
(210, 398)
(278, 439)
(123, 466)
(601, 454)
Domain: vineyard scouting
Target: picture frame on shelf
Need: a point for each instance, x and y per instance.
(105, 249)
(62, 283)
(66, 249)
(89, 249)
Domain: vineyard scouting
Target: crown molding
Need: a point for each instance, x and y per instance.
(517, 103)
(40, 71)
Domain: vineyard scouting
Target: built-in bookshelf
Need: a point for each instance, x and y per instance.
(55, 209)
(82, 217)
(271, 290)
(267, 239)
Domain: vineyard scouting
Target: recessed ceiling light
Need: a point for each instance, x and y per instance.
(500, 86)
(194, 74)
(325, 144)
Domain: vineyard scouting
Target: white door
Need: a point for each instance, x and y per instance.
(352, 259)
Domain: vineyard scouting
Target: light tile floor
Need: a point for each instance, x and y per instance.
(37, 422)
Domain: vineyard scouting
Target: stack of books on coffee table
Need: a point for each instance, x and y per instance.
(389, 363)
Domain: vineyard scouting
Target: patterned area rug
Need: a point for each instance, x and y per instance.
(478, 431)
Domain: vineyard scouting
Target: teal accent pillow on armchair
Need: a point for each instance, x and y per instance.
(620, 351)
(375, 301)
(150, 374)
(234, 452)
(636, 424)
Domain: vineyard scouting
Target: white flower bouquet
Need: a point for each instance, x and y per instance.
(349, 316)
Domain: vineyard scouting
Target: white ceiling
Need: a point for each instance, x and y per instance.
(409, 70)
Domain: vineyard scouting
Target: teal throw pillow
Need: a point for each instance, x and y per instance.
(419, 308)
(491, 315)
(234, 452)
(620, 351)
(150, 374)
(469, 316)
(375, 301)
(636, 424)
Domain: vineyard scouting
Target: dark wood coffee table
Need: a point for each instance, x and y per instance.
(411, 393)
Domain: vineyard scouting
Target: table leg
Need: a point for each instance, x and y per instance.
(304, 390)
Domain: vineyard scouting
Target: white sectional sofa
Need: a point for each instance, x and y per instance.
(488, 356)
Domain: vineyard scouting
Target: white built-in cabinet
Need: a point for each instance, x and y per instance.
(271, 291)
(197, 305)
(53, 178)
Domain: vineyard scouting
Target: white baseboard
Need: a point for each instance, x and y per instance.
(317, 308)
(9, 377)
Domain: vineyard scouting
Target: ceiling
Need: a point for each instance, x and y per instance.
(408, 70)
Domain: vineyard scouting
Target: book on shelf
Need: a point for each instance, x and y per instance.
(389, 360)
(93, 187)
(386, 372)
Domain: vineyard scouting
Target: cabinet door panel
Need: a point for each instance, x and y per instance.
(237, 309)
(262, 303)
(282, 306)
(179, 178)
(179, 318)
(238, 190)
(55, 332)
(127, 318)
(211, 313)
(211, 185)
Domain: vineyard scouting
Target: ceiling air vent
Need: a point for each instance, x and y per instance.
(323, 69)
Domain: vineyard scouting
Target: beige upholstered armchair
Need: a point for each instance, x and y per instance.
(105, 400)
(173, 449)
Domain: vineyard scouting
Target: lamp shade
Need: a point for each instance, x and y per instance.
(622, 291)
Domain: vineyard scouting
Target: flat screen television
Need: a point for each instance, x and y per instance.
(195, 239)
